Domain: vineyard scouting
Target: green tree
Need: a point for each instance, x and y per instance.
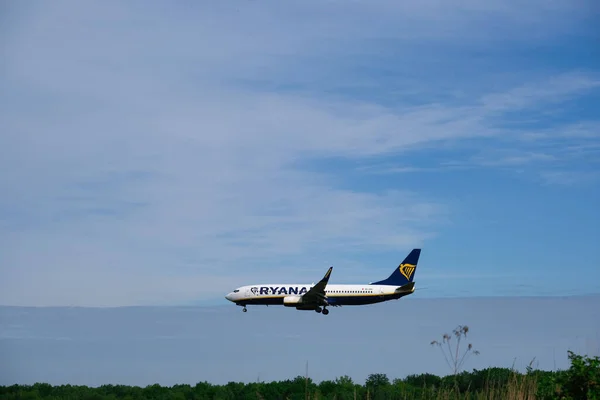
(344, 388)
(423, 380)
(376, 385)
(377, 380)
(581, 380)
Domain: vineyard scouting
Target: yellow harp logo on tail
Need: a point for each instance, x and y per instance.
(407, 270)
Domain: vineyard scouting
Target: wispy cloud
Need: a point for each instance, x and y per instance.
(536, 94)
(569, 177)
(150, 149)
(512, 141)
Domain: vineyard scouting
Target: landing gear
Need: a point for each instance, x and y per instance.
(244, 309)
(322, 310)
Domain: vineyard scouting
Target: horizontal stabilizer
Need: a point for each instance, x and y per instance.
(408, 288)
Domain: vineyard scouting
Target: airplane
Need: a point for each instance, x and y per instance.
(318, 297)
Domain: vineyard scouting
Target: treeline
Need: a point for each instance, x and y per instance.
(580, 381)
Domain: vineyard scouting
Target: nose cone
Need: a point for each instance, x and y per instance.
(229, 296)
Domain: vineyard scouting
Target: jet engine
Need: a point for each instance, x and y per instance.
(292, 301)
(299, 303)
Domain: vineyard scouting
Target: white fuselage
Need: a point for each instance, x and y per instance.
(318, 296)
(336, 294)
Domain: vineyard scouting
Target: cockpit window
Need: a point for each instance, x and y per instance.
(235, 291)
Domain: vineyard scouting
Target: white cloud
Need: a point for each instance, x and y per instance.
(535, 94)
(137, 171)
(569, 177)
(516, 159)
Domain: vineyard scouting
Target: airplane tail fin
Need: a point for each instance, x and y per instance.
(405, 272)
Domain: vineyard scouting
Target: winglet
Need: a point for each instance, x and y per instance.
(327, 274)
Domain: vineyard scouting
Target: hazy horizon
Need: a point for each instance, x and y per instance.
(170, 345)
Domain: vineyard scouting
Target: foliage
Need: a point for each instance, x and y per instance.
(580, 381)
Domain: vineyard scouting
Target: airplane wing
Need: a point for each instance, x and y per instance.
(408, 288)
(316, 294)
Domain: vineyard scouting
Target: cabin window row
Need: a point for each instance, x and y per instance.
(349, 291)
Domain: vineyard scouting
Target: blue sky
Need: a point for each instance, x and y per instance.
(165, 154)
